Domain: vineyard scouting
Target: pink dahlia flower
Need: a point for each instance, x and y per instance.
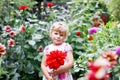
(92, 30)
(22, 28)
(2, 49)
(118, 50)
(7, 28)
(11, 43)
(12, 34)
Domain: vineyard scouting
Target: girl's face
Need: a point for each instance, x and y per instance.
(57, 37)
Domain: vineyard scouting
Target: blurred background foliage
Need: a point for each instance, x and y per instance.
(23, 61)
(114, 9)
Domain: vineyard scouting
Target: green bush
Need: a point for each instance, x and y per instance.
(114, 9)
(23, 60)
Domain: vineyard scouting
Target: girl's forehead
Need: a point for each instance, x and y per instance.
(60, 32)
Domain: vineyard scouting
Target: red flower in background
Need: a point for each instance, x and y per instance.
(40, 48)
(96, 25)
(93, 67)
(78, 33)
(90, 37)
(22, 7)
(49, 4)
(92, 76)
(98, 70)
(55, 59)
(95, 19)
(103, 17)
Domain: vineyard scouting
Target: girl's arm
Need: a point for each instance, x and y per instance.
(66, 67)
(44, 69)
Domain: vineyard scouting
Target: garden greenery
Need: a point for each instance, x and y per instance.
(114, 9)
(22, 61)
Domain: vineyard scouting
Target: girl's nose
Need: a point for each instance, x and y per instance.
(58, 36)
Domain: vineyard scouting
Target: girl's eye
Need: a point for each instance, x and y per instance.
(56, 33)
(61, 34)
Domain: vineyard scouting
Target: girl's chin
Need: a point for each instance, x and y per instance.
(57, 43)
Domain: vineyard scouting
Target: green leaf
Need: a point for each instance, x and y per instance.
(39, 56)
(31, 42)
(37, 37)
(31, 30)
(29, 68)
(16, 76)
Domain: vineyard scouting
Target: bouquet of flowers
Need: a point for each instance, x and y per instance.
(55, 59)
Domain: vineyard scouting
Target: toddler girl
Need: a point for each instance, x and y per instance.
(58, 34)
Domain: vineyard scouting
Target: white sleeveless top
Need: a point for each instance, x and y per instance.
(65, 47)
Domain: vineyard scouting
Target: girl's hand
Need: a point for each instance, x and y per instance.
(50, 78)
(54, 73)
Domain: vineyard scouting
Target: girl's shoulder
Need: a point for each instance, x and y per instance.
(46, 49)
(68, 47)
(67, 44)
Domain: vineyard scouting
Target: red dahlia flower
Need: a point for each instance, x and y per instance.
(93, 67)
(55, 59)
(98, 70)
(78, 33)
(40, 48)
(23, 7)
(49, 4)
(96, 25)
(90, 37)
(104, 19)
(95, 19)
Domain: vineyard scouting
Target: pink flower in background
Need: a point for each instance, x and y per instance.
(118, 50)
(2, 49)
(98, 69)
(40, 48)
(92, 30)
(111, 57)
(7, 28)
(22, 7)
(22, 28)
(11, 43)
(12, 34)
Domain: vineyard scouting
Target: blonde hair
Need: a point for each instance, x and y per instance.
(61, 27)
